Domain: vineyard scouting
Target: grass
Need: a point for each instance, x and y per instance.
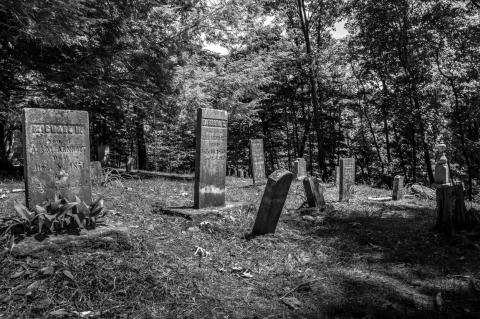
(365, 260)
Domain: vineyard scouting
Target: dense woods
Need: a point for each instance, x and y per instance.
(405, 78)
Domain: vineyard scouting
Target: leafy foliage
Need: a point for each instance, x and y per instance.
(55, 217)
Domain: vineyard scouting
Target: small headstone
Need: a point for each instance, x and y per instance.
(96, 172)
(210, 158)
(57, 155)
(313, 192)
(300, 168)
(273, 199)
(441, 167)
(337, 176)
(347, 179)
(398, 189)
(129, 164)
(103, 153)
(240, 173)
(257, 161)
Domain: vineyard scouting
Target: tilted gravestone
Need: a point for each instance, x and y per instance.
(57, 155)
(313, 192)
(273, 199)
(210, 158)
(96, 172)
(398, 189)
(257, 160)
(347, 179)
(300, 168)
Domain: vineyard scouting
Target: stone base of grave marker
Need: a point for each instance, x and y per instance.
(191, 213)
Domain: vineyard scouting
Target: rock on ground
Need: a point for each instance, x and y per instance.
(423, 191)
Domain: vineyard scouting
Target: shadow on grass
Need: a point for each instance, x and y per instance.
(390, 264)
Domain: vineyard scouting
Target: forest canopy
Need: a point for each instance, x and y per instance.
(404, 78)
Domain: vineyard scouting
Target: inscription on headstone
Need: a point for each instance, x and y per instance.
(313, 192)
(398, 189)
(257, 160)
(210, 158)
(347, 178)
(300, 168)
(57, 155)
(273, 199)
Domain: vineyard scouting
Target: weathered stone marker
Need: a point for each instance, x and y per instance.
(96, 172)
(103, 153)
(337, 176)
(257, 160)
(300, 168)
(398, 189)
(129, 164)
(210, 158)
(441, 167)
(313, 192)
(347, 179)
(273, 199)
(57, 155)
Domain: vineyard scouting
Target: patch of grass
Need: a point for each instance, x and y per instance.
(365, 260)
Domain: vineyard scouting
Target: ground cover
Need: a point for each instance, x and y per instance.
(364, 260)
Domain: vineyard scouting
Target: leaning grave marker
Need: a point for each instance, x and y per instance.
(273, 199)
(257, 160)
(210, 158)
(57, 155)
(347, 178)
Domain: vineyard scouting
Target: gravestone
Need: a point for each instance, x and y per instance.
(273, 199)
(313, 192)
(441, 168)
(129, 164)
(240, 173)
(257, 161)
(398, 189)
(210, 158)
(57, 155)
(103, 153)
(347, 179)
(337, 176)
(96, 172)
(300, 168)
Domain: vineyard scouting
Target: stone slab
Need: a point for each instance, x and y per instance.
(347, 179)
(313, 192)
(210, 158)
(300, 168)
(337, 176)
(398, 191)
(96, 172)
(109, 237)
(192, 213)
(273, 199)
(57, 155)
(257, 161)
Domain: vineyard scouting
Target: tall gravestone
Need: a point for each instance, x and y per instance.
(313, 192)
(300, 168)
(210, 158)
(337, 176)
(257, 160)
(398, 188)
(347, 178)
(273, 199)
(57, 155)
